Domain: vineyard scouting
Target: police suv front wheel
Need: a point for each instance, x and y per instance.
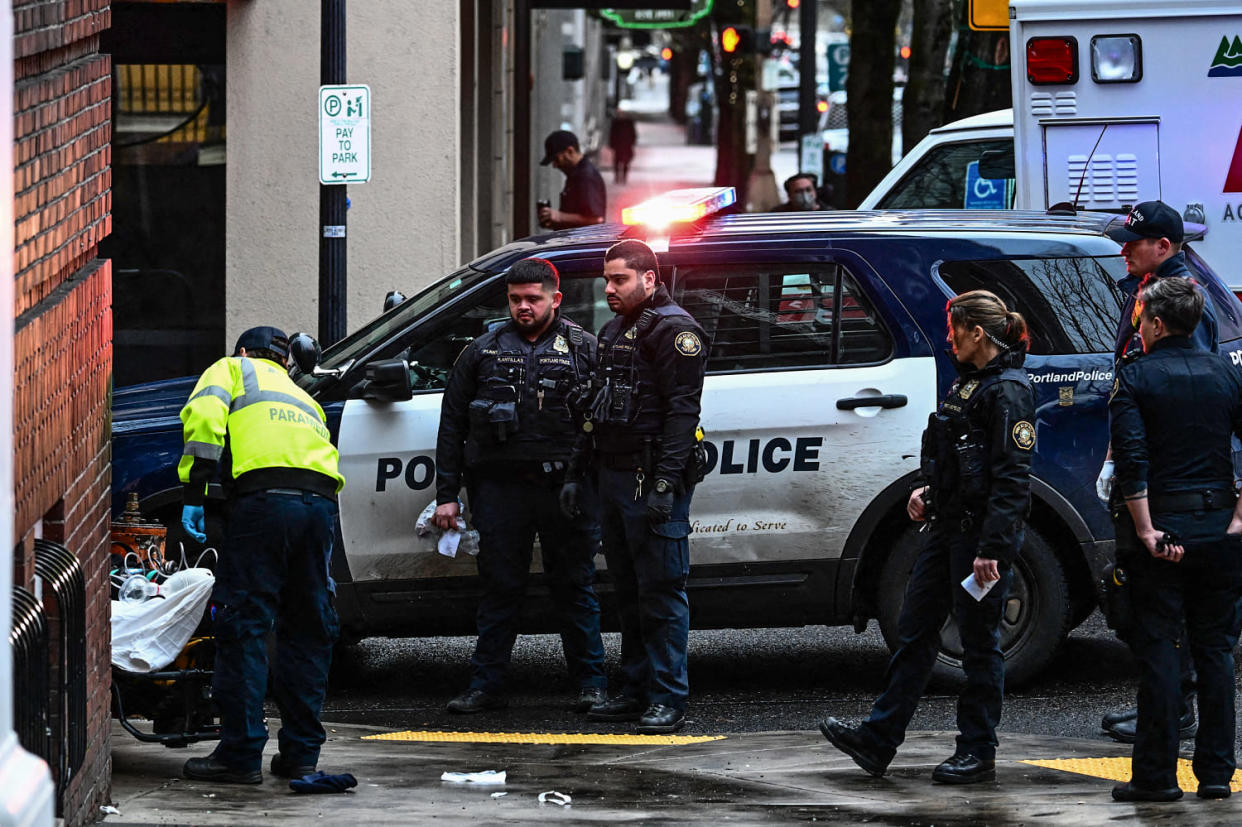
(1036, 619)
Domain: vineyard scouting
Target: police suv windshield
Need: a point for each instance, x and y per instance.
(380, 330)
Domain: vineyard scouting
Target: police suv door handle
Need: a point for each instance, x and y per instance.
(888, 400)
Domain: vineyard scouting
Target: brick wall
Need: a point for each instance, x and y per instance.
(63, 347)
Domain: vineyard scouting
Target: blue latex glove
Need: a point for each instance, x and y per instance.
(194, 521)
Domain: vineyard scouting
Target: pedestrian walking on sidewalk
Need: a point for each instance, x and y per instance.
(282, 482)
(622, 136)
(972, 498)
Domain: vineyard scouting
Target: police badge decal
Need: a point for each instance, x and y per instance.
(687, 344)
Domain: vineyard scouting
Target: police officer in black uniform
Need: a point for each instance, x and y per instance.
(1172, 414)
(506, 432)
(1151, 240)
(643, 421)
(975, 492)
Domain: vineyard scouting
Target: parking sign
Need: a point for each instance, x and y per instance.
(344, 134)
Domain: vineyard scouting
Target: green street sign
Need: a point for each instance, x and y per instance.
(658, 18)
(838, 66)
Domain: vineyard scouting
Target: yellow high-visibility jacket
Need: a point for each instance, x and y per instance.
(277, 435)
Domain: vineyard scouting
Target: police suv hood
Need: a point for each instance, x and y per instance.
(136, 404)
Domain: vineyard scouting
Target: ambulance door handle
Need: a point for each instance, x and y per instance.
(888, 400)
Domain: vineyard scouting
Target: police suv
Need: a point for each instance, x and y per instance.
(826, 356)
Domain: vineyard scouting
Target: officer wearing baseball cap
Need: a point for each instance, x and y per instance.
(280, 474)
(584, 199)
(1151, 244)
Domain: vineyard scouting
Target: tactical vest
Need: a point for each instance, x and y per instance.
(520, 409)
(628, 398)
(957, 446)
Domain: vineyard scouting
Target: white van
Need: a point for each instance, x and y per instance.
(1114, 103)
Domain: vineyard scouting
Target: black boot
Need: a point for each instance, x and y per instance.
(851, 741)
(1129, 792)
(1127, 731)
(620, 708)
(475, 700)
(965, 768)
(209, 769)
(661, 720)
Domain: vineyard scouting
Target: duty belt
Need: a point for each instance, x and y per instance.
(622, 462)
(1212, 499)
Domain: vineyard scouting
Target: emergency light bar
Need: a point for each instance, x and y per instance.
(679, 206)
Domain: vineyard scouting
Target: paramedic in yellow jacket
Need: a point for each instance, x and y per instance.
(269, 440)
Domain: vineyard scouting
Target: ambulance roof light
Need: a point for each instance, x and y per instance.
(1052, 60)
(679, 206)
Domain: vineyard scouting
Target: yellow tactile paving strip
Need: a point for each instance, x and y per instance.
(541, 738)
(1118, 769)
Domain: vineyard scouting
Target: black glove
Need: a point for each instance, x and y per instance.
(569, 499)
(660, 502)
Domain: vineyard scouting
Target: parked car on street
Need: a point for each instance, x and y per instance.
(826, 356)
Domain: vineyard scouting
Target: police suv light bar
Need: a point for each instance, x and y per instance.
(679, 206)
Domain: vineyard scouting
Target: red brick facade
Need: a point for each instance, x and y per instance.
(63, 347)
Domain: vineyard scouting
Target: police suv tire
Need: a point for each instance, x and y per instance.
(1036, 619)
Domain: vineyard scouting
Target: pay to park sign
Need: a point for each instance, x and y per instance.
(344, 134)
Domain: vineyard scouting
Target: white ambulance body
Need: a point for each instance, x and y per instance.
(1114, 102)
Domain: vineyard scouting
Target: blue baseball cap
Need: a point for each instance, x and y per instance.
(267, 337)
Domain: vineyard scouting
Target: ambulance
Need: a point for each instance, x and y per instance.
(1114, 102)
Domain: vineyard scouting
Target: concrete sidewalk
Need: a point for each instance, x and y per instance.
(662, 159)
(752, 778)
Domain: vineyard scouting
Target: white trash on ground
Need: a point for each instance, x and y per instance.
(484, 777)
(553, 797)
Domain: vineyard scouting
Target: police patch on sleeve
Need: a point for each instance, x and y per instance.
(688, 344)
(1024, 435)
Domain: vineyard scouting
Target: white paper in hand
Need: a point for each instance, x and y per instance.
(973, 588)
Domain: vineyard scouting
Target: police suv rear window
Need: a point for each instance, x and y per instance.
(757, 319)
(1071, 305)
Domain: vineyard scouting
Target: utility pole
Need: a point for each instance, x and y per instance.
(332, 197)
(761, 191)
(808, 114)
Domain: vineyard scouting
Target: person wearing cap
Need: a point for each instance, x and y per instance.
(269, 439)
(584, 199)
(1172, 414)
(1151, 244)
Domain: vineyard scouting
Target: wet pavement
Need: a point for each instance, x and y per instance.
(754, 778)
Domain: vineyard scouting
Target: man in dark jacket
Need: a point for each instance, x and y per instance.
(1172, 415)
(643, 425)
(1151, 240)
(506, 433)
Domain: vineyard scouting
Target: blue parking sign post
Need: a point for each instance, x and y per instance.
(984, 193)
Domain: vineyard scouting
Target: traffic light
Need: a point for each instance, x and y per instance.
(745, 40)
(793, 4)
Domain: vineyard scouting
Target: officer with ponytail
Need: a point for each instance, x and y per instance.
(972, 499)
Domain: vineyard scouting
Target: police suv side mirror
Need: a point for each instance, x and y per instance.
(387, 380)
(305, 351)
